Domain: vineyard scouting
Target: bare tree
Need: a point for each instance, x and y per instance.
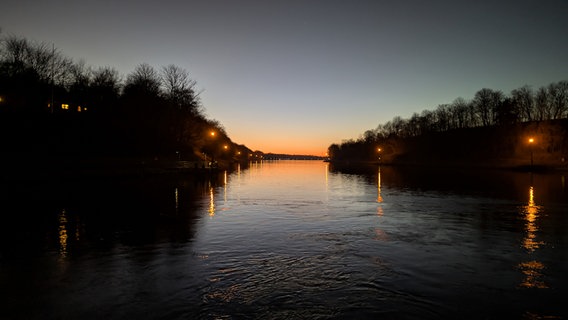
(563, 88)
(460, 106)
(14, 50)
(104, 88)
(179, 88)
(369, 136)
(414, 125)
(42, 59)
(79, 85)
(143, 81)
(443, 117)
(558, 95)
(106, 77)
(523, 99)
(487, 102)
(542, 105)
(427, 121)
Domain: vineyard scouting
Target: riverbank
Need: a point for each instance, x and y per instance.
(541, 145)
(451, 165)
(18, 167)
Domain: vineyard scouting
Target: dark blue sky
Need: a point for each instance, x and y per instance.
(296, 76)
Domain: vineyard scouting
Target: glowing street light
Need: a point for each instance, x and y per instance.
(531, 141)
(379, 152)
(212, 133)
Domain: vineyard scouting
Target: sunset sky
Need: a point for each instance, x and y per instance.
(295, 76)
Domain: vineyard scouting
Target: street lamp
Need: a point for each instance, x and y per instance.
(210, 145)
(531, 141)
(379, 152)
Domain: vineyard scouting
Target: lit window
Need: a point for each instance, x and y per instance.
(64, 106)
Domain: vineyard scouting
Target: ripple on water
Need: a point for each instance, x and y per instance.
(320, 275)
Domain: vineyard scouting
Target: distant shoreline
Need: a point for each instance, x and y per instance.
(450, 165)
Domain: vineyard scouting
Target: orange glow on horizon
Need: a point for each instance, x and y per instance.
(290, 148)
(284, 142)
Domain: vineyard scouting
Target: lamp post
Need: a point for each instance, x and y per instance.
(531, 141)
(210, 146)
(379, 152)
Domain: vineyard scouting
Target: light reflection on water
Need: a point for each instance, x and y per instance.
(291, 239)
(62, 234)
(211, 201)
(532, 269)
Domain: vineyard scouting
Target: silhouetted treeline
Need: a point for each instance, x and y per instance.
(52, 105)
(490, 109)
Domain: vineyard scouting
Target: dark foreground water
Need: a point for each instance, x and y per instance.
(287, 240)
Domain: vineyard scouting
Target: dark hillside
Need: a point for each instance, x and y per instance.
(495, 146)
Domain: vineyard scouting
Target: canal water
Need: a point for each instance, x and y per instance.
(287, 240)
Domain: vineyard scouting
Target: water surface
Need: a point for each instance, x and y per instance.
(287, 240)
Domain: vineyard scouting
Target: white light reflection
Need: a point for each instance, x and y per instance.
(176, 195)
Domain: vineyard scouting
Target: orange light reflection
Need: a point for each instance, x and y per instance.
(532, 270)
(379, 197)
(531, 211)
(63, 233)
(211, 202)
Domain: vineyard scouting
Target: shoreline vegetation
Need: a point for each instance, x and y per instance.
(498, 147)
(525, 130)
(62, 116)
